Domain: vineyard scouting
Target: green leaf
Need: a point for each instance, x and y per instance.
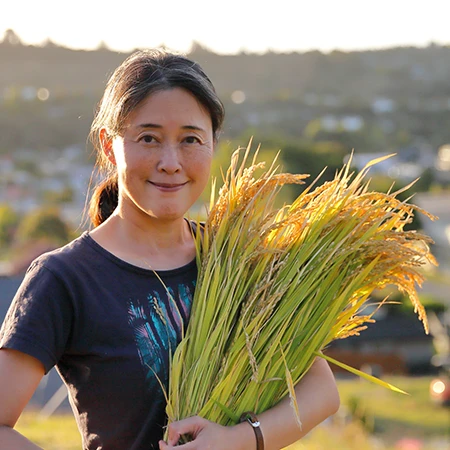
(227, 411)
(362, 374)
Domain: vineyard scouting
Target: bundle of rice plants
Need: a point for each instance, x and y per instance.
(277, 285)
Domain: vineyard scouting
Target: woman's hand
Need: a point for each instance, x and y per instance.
(318, 398)
(208, 435)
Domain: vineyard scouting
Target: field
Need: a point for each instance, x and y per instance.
(381, 420)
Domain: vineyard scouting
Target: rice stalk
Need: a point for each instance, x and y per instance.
(276, 286)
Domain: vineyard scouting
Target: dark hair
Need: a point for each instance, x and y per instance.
(141, 74)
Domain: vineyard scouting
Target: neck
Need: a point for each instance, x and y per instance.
(153, 234)
(155, 244)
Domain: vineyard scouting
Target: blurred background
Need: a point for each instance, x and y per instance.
(316, 80)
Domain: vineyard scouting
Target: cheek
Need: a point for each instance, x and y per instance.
(200, 162)
(202, 166)
(136, 163)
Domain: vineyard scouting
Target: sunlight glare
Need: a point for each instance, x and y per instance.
(43, 94)
(438, 387)
(238, 97)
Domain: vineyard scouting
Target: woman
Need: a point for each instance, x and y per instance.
(96, 309)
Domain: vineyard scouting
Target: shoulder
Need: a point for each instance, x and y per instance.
(64, 257)
(59, 273)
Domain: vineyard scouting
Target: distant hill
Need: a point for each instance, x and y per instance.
(395, 72)
(398, 96)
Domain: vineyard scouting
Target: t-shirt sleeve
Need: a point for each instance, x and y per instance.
(39, 318)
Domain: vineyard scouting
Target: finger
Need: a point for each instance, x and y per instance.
(187, 446)
(173, 438)
(191, 425)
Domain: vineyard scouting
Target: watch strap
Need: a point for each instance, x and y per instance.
(251, 418)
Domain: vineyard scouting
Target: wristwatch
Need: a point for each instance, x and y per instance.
(251, 418)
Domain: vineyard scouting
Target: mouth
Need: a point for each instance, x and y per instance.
(168, 186)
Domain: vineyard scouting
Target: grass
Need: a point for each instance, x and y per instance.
(386, 418)
(58, 432)
(392, 417)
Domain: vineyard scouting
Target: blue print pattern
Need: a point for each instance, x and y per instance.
(158, 323)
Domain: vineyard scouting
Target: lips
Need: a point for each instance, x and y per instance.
(167, 185)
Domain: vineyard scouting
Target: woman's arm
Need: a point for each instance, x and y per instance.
(317, 398)
(20, 375)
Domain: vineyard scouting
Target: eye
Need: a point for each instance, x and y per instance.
(192, 140)
(148, 139)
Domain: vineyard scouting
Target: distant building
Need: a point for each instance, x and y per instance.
(329, 122)
(443, 164)
(382, 105)
(394, 344)
(352, 123)
(8, 287)
(359, 160)
(439, 230)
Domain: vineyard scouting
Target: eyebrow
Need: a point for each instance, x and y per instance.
(184, 127)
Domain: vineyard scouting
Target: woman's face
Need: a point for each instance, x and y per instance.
(163, 156)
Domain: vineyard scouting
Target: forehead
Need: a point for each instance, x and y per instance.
(170, 106)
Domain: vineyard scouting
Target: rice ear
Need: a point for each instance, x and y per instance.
(291, 390)
(278, 285)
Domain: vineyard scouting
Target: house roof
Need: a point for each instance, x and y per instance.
(393, 327)
(51, 382)
(8, 288)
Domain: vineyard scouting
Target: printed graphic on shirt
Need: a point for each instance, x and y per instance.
(158, 323)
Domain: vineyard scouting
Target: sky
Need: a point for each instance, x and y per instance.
(230, 26)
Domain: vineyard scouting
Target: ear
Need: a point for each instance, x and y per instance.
(106, 143)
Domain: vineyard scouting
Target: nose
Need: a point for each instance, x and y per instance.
(169, 161)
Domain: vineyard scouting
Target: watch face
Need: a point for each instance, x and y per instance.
(251, 419)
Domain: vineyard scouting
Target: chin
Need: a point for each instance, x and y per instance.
(167, 215)
(166, 212)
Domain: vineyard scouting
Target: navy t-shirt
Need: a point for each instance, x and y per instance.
(110, 328)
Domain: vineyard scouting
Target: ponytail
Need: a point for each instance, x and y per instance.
(104, 200)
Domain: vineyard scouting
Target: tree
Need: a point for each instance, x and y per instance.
(102, 46)
(384, 183)
(10, 37)
(44, 224)
(65, 195)
(48, 43)
(9, 220)
(312, 158)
